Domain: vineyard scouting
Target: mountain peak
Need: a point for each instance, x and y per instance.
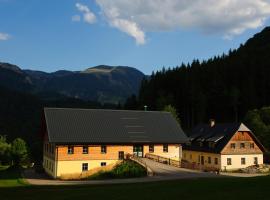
(11, 67)
(106, 69)
(99, 69)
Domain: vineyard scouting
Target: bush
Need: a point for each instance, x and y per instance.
(126, 169)
(129, 169)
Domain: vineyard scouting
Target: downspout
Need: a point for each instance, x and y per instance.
(56, 161)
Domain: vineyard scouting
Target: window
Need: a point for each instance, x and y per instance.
(70, 150)
(165, 148)
(232, 145)
(151, 148)
(103, 164)
(242, 145)
(243, 161)
(216, 161)
(252, 145)
(121, 155)
(229, 161)
(85, 167)
(255, 160)
(103, 149)
(209, 160)
(85, 149)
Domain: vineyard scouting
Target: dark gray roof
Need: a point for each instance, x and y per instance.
(219, 134)
(66, 125)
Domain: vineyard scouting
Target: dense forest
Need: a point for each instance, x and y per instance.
(224, 88)
(258, 121)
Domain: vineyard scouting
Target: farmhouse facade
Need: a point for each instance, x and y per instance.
(78, 140)
(223, 147)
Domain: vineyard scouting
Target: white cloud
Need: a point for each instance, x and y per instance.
(131, 28)
(76, 18)
(88, 16)
(4, 36)
(225, 17)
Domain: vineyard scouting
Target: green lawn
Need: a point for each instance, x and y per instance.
(10, 177)
(200, 189)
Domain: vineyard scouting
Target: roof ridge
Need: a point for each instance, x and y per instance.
(112, 110)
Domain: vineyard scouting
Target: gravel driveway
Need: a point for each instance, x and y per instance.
(171, 172)
(162, 172)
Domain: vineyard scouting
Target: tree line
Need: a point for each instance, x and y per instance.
(224, 87)
(15, 153)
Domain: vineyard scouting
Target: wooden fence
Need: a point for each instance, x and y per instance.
(196, 166)
(164, 160)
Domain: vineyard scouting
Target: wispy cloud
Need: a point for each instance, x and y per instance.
(4, 36)
(88, 15)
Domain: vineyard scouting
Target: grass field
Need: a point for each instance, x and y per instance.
(10, 177)
(199, 189)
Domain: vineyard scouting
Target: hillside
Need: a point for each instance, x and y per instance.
(223, 87)
(104, 84)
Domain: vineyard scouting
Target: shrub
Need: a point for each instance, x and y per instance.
(126, 169)
(129, 169)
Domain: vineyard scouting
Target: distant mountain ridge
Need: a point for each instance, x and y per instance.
(105, 84)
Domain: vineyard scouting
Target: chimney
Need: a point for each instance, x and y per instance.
(212, 122)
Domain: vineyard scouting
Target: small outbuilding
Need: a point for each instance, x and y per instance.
(225, 147)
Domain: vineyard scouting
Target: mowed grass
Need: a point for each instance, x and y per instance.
(198, 189)
(10, 177)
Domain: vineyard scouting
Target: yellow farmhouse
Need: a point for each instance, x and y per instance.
(223, 147)
(81, 140)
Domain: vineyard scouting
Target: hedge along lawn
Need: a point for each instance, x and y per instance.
(10, 177)
(197, 189)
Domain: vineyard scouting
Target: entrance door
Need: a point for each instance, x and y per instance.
(121, 155)
(202, 160)
(138, 150)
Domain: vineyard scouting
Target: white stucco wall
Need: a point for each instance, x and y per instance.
(49, 166)
(174, 151)
(69, 167)
(236, 161)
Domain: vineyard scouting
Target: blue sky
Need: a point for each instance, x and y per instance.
(74, 35)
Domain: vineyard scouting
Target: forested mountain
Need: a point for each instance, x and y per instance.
(24, 94)
(105, 84)
(224, 87)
